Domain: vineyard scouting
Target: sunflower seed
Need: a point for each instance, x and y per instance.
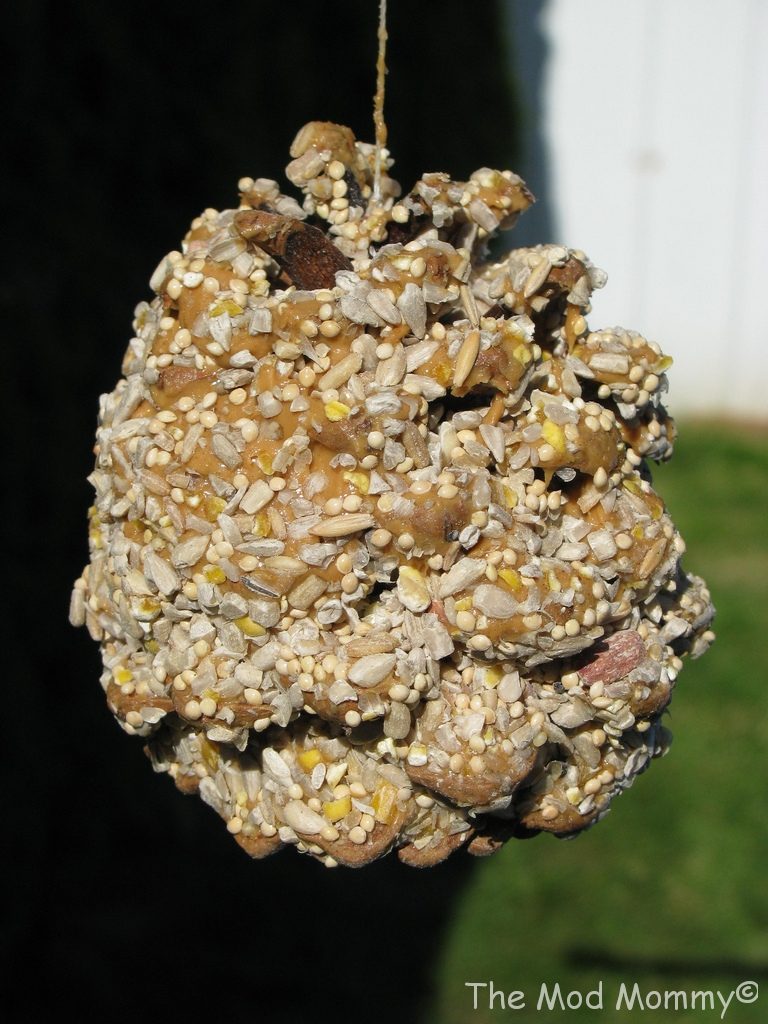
(652, 558)
(469, 304)
(467, 726)
(609, 362)
(224, 450)
(494, 602)
(256, 497)
(483, 215)
(438, 641)
(602, 544)
(511, 687)
(579, 294)
(165, 577)
(161, 274)
(261, 321)
(397, 722)
(370, 670)
(494, 437)
(233, 606)
(383, 306)
(189, 443)
(356, 309)
(221, 330)
(269, 406)
(189, 551)
(572, 552)
(153, 483)
(341, 691)
(414, 309)
(131, 396)
(391, 371)
(276, 767)
(317, 554)
(302, 818)
(464, 573)
(572, 714)
(417, 355)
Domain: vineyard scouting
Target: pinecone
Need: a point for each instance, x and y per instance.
(376, 561)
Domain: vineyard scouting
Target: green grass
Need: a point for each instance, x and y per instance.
(670, 889)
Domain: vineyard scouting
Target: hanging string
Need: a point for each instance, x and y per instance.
(378, 102)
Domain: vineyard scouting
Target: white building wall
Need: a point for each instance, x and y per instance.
(656, 146)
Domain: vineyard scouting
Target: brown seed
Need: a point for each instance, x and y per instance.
(306, 255)
(615, 657)
(415, 445)
(304, 594)
(340, 372)
(466, 358)
(537, 277)
(340, 526)
(470, 305)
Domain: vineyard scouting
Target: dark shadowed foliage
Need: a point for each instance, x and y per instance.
(123, 122)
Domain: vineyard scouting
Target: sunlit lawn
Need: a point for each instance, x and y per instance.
(671, 889)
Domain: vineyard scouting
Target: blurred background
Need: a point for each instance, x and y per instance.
(640, 125)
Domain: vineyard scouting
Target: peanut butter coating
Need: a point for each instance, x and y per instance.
(376, 563)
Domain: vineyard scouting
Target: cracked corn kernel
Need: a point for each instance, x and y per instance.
(309, 758)
(336, 411)
(335, 810)
(360, 481)
(249, 627)
(554, 436)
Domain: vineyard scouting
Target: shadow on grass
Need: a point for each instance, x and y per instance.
(634, 965)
